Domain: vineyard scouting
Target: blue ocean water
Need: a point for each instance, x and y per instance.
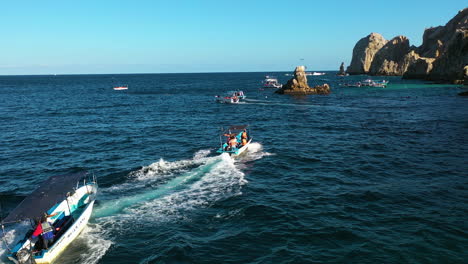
(363, 175)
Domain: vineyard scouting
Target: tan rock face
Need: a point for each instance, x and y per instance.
(364, 52)
(299, 86)
(389, 60)
(442, 56)
(416, 67)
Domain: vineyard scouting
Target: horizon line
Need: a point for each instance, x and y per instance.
(63, 74)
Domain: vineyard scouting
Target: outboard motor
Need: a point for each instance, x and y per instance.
(24, 256)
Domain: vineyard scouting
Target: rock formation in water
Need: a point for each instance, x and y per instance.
(298, 85)
(364, 52)
(445, 51)
(342, 71)
(389, 60)
(442, 56)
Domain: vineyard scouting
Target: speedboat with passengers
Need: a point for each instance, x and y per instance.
(271, 82)
(231, 97)
(57, 212)
(238, 140)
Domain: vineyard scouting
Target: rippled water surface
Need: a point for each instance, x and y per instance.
(363, 175)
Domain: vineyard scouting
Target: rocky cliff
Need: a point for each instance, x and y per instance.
(299, 86)
(441, 57)
(364, 52)
(389, 60)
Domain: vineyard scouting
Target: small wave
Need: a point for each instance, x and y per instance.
(254, 152)
(89, 247)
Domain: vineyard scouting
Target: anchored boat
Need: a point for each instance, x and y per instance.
(57, 211)
(238, 140)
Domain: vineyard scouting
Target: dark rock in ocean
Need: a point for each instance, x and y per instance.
(342, 71)
(389, 60)
(299, 86)
(364, 52)
(463, 93)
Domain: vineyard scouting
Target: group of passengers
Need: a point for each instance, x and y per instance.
(232, 142)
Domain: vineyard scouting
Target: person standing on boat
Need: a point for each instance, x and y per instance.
(232, 143)
(47, 232)
(37, 231)
(244, 137)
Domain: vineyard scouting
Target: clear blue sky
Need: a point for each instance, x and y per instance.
(56, 37)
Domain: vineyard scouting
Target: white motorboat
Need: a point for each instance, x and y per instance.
(65, 219)
(271, 82)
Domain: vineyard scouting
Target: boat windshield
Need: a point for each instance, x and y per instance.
(51, 191)
(235, 129)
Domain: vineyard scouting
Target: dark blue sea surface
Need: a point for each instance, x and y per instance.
(363, 175)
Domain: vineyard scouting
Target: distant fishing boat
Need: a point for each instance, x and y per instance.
(119, 88)
(231, 97)
(58, 211)
(271, 82)
(240, 134)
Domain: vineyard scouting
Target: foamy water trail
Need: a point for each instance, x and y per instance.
(111, 207)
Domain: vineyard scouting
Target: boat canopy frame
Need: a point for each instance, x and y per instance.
(49, 193)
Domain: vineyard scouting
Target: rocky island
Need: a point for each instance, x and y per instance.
(442, 57)
(298, 85)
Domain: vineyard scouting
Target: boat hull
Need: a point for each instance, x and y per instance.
(237, 152)
(79, 207)
(51, 254)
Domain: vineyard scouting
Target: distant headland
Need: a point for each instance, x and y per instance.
(442, 57)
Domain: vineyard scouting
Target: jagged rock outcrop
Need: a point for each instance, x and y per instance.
(299, 86)
(449, 66)
(389, 60)
(417, 67)
(447, 47)
(364, 52)
(442, 56)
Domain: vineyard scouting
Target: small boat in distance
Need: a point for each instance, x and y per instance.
(314, 73)
(231, 97)
(57, 211)
(271, 82)
(119, 88)
(367, 83)
(372, 83)
(238, 140)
